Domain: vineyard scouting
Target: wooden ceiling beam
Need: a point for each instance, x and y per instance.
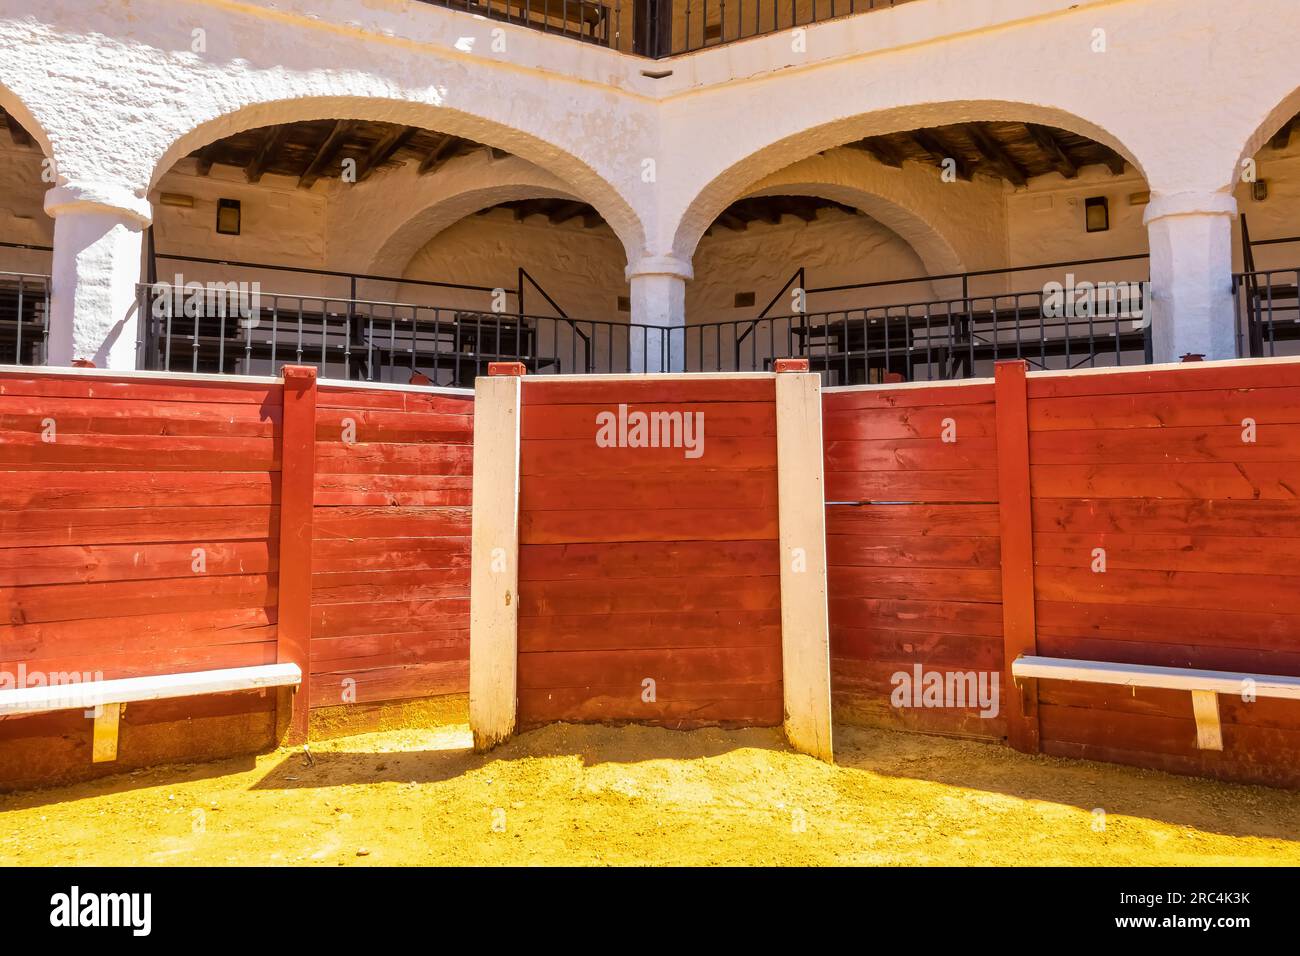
(384, 148)
(804, 207)
(929, 142)
(994, 155)
(326, 154)
(272, 140)
(438, 155)
(1046, 140)
(205, 158)
(566, 210)
(19, 135)
(731, 221)
(880, 149)
(1281, 139)
(1113, 160)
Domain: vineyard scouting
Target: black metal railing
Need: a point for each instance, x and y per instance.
(938, 340)
(235, 331)
(664, 28)
(674, 27)
(1268, 312)
(583, 20)
(24, 318)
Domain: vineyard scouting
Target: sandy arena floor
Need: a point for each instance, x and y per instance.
(598, 795)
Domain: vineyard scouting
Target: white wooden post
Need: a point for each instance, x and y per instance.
(494, 562)
(805, 629)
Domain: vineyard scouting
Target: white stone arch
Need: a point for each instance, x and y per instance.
(370, 232)
(913, 202)
(793, 145)
(13, 104)
(561, 173)
(1266, 124)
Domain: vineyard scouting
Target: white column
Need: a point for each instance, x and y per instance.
(1191, 275)
(658, 301)
(97, 242)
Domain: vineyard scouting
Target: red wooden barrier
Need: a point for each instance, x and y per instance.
(913, 551)
(1185, 480)
(390, 582)
(152, 525)
(642, 563)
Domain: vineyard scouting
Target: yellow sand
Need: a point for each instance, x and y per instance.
(632, 795)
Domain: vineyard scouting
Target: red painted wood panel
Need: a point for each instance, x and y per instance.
(390, 575)
(1200, 531)
(641, 564)
(138, 525)
(914, 570)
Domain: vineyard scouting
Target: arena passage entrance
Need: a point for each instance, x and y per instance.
(649, 549)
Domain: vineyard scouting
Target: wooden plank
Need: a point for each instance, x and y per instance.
(297, 485)
(150, 388)
(913, 454)
(336, 458)
(881, 424)
(399, 682)
(679, 524)
(1161, 446)
(709, 490)
(547, 390)
(910, 396)
(494, 589)
(1218, 480)
(914, 519)
(948, 487)
(59, 490)
(142, 525)
(945, 617)
(71, 602)
(754, 664)
(582, 457)
(1274, 593)
(1146, 675)
(648, 560)
(543, 598)
(1189, 376)
(27, 451)
(1167, 552)
(1211, 407)
(805, 641)
(1237, 518)
(73, 564)
(380, 425)
(718, 627)
(88, 694)
(579, 422)
(936, 584)
(918, 551)
(1014, 497)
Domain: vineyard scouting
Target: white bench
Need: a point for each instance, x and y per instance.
(106, 697)
(1205, 686)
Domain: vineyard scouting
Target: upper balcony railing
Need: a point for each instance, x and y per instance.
(663, 28)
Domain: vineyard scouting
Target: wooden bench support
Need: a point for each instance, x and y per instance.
(1205, 706)
(1205, 686)
(104, 747)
